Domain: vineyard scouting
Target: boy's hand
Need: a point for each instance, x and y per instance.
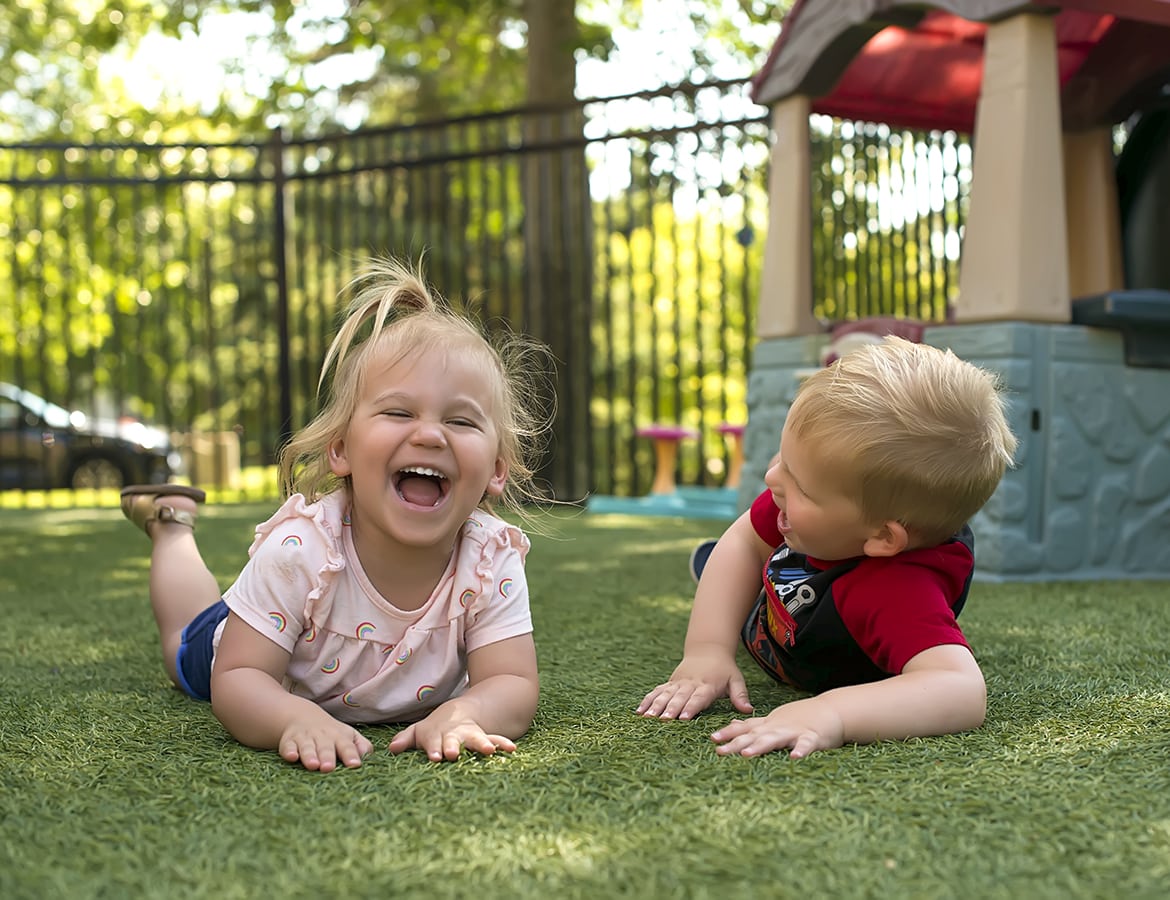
(699, 680)
(443, 735)
(802, 726)
(319, 742)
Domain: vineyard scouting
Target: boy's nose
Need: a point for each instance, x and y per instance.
(770, 474)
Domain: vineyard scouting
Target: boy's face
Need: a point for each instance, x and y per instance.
(816, 517)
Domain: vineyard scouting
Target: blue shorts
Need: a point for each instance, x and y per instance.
(196, 651)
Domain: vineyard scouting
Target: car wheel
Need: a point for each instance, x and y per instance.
(97, 472)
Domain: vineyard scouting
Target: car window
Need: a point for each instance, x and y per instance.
(9, 413)
(53, 415)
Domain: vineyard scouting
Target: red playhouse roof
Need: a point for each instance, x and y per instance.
(917, 65)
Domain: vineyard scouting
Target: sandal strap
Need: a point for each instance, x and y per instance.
(170, 514)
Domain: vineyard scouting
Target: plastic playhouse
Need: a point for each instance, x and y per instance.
(1065, 274)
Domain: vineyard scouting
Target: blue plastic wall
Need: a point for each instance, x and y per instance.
(1089, 497)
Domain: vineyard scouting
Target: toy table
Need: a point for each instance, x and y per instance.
(735, 466)
(666, 438)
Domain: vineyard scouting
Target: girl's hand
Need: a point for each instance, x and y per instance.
(442, 736)
(502, 692)
(319, 742)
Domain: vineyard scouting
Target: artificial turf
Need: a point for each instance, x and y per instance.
(112, 784)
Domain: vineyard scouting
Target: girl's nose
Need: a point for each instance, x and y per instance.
(429, 434)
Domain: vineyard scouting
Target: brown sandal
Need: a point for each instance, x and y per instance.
(138, 504)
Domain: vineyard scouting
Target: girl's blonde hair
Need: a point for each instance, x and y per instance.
(393, 314)
(912, 433)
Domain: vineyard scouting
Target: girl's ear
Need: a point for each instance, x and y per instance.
(338, 460)
(495, 485)
(889, 540)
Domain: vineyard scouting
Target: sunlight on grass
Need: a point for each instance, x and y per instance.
(251, 482)
(58, 499)
(70, 645)
(670, 603)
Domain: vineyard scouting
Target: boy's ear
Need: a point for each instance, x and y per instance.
(889, 540)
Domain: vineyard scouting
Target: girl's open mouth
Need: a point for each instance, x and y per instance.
(421, 486)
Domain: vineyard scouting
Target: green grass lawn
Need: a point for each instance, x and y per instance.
(112, 784)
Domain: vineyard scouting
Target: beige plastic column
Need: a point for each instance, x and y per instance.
(1015, 249)
(1094, 221)
(785, 307)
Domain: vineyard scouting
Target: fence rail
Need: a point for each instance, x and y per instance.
(195, 285)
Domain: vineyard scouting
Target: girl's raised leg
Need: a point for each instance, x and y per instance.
(181, 585)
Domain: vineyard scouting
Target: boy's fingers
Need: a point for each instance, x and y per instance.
(697, 702)
(679, 703)
(804, 745)
(654, 704)
(739, 696)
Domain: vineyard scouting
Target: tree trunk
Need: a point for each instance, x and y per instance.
(558, 236)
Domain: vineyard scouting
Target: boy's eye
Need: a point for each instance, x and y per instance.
(464, 423)
(396, 413)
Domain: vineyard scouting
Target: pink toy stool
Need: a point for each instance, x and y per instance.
(666, 438)
(735, 466)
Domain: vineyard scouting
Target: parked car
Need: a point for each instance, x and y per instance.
(43, 446)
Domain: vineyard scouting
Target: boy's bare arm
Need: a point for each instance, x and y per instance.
(730, 583)
(940, 691)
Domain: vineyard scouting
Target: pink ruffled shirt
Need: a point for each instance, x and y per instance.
(353, 652)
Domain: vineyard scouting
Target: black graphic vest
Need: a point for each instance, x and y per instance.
(795, 633)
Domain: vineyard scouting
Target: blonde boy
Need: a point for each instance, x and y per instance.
(866, 557)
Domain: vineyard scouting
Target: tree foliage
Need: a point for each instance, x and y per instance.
(145, 274)
(386, 59)
(310, 65)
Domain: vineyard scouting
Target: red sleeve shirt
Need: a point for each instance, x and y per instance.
(893, 607)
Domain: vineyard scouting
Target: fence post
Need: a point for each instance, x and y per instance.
(284, 370)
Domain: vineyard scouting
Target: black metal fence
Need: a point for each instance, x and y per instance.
(194, 286)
